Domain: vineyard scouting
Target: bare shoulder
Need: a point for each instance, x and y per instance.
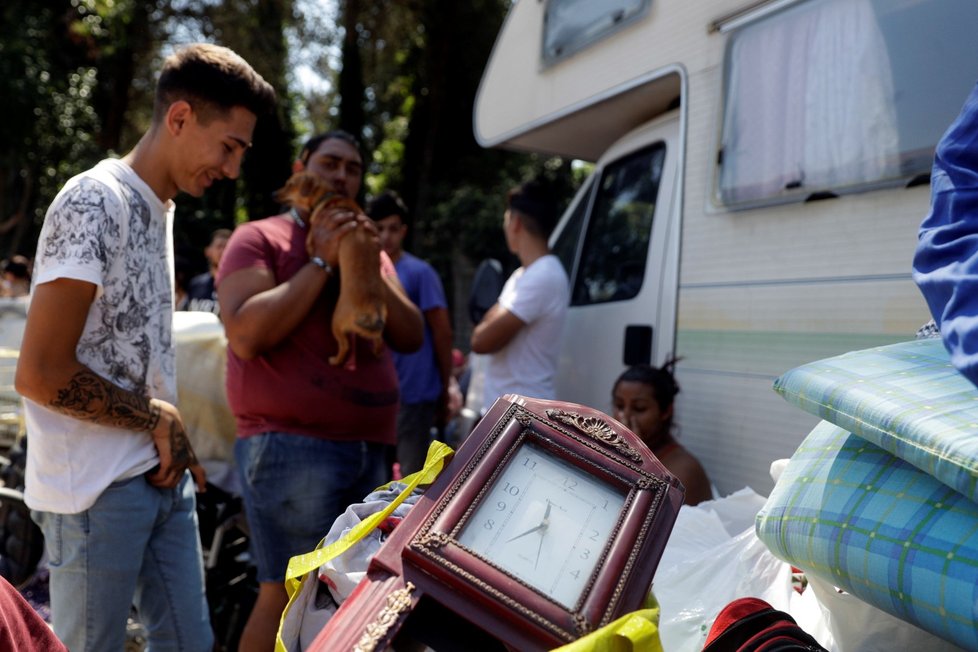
(691, 473)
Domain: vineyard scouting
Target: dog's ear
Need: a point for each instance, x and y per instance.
(286, 194)
(302, 190)
(313, 188)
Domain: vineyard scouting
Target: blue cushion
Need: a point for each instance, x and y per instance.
(905, 398)
(852, 514)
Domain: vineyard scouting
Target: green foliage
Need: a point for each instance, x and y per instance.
(77, 77)
(385, 170)
(471, 216)
(422, 62)
(255, 29)
(48, 117)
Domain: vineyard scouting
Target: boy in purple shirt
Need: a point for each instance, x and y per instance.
(423, 375)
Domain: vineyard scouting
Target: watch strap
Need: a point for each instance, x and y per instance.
(321, 264)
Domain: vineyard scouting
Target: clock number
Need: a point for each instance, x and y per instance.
(489, 524)
(570, 483)
(594, 535)
(529, 463)
(585, 553)
(605, 506)
(501, 506)
(575, 574)
(511, 489)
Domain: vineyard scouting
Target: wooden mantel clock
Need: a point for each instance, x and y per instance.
(547, 524)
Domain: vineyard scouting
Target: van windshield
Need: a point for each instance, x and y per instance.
(834, 96)
(616, 244)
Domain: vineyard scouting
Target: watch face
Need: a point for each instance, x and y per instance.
(546, 522)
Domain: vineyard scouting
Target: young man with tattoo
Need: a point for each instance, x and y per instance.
(110, 470)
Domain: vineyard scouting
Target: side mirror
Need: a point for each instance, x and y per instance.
(487, 283)
(638, 345)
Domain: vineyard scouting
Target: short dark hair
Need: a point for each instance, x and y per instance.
(386, 204)
(313, 143)
(213, 79)
(536, 204)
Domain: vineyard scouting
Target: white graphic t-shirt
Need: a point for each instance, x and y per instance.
(106, 227)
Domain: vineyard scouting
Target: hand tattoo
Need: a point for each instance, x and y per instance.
(89, 397)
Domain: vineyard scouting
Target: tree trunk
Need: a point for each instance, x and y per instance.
(116, 73)
(352, 116)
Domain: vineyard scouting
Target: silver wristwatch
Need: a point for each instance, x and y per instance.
(321, 264)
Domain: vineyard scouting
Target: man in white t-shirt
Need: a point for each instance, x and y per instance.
(522, 331)
(110, 471)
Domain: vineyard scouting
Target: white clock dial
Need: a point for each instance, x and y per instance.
(546, 522)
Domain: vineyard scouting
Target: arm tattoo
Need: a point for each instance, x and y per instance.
(89, 397)
(183, 454)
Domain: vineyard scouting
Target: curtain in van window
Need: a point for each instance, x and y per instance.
(809, 104)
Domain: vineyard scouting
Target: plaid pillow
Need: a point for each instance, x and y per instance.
(905, 398)
(850, 513)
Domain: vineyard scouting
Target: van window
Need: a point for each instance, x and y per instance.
(565, 246)
(616, 244)
(572, 25)
(834, 96)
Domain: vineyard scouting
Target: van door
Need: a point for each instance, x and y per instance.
(619, 242)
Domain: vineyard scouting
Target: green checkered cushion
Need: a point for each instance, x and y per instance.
(905, 398)
(852, 514)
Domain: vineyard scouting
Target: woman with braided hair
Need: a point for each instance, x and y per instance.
(643, 400)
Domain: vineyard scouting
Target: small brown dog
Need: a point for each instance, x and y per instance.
(360, 308)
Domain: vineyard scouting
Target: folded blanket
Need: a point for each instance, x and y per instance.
(905, 398)
(848, 512)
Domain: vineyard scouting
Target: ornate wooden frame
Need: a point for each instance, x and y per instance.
(424, 551)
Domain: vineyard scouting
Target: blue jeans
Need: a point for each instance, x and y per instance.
(295, 486)
(136, 545)
(414, 423)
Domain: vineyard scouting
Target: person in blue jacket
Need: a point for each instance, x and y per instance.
(945, 265)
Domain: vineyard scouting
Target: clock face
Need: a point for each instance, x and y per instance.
(546, 522)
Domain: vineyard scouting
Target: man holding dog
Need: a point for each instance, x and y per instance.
(311, 435)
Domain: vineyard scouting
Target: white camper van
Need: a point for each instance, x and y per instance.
(762, 168)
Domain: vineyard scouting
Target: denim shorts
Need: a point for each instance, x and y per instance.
(294, 487)
(414, 422)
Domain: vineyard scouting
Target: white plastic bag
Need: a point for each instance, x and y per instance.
(860, 627)
(713, 557)
(693, 592)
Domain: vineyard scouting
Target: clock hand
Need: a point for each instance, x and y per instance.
(544, 524)
(530, 531)
(539, 548)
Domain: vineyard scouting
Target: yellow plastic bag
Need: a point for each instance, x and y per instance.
(302, 568)
(637, 631)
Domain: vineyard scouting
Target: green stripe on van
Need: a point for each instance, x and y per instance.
(769, 353)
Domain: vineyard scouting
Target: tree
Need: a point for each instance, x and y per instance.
(78, 78)
(351, 89)
(422, 65)
(255, 29)
(49, 121)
